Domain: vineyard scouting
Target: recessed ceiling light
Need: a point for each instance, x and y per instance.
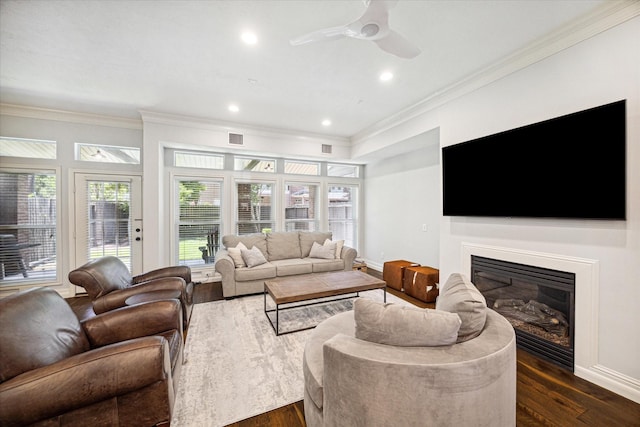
(249, 38)
(234, 108)
(326, 122)
(386, 76)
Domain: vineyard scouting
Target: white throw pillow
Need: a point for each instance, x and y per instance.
(253, 257)
(404, 326)
(323, 251)
(236, 255)
(339, 245)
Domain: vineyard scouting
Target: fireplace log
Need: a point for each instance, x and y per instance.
(535, 313)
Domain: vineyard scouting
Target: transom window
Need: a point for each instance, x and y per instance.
(107, 154)
(254, 164)
(347, 171)
(29, 148)
(301, 168)
(198, 160)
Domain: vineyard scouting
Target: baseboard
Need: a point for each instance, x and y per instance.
(611, 380)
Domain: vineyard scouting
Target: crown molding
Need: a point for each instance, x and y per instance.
(225, 126)
(69, 116)
(608, 15)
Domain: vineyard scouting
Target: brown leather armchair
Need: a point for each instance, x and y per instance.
(117, 368)
(109, 283)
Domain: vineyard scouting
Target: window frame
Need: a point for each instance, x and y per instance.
(316, 222)
(176, 223)
(273, 203)
(56, 279)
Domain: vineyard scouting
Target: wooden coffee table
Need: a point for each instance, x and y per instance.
(308, 287)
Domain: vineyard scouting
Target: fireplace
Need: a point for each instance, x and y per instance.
(538, 302)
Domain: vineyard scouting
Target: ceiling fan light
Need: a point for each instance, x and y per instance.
(249, 38)
(386, 76)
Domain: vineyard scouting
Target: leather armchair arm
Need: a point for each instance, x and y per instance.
(84, 379)
(124, 324)
(117, 298)
(174, 271)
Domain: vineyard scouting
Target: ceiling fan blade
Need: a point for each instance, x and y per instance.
(397, 45)
(320, 35)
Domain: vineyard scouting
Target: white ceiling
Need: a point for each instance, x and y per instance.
(186, 57)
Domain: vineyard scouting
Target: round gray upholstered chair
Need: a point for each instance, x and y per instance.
(355, 382)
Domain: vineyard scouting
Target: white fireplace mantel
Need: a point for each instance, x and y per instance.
(587, 274)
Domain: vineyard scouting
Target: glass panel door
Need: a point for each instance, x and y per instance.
(109, 220)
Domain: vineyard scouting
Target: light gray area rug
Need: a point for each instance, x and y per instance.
(236, 367)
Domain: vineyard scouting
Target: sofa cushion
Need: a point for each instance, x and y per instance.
(326, 251)
(324, 265)
(253, 257)
(236, 255)
(308, 237)
(291, 267)
(249, 240)
(283, 245)
(404, 326)
(459, 295)
(264, 271)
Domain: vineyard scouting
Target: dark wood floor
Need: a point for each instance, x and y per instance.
(546, 394)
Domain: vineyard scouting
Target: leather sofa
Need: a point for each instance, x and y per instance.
(117, 368)
(356, 382)
(287, 253)
(109, 283)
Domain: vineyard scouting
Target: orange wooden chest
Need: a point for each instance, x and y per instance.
(421, 283)
(392, 272)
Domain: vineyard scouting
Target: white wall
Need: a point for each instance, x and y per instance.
(602, 69)
(402, 194)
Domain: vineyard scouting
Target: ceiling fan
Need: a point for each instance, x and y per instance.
(373, 25)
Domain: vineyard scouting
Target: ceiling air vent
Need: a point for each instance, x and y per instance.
(326, 148)
(235, 139)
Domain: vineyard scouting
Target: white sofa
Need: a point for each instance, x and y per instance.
(352, 381)
(287, 254)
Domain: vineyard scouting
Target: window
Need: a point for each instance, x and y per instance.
(254, 213)
(301, 168)
(28, 226)
(198, 160)
(254, 165)
(301, 207)
(345, 171)
(109, 220)
(107, 154)
(30, 148)
(343, 213)
(199, 222)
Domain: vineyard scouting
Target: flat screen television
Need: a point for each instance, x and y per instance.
(572, 166)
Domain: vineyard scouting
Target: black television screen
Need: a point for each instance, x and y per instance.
(572, 166)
